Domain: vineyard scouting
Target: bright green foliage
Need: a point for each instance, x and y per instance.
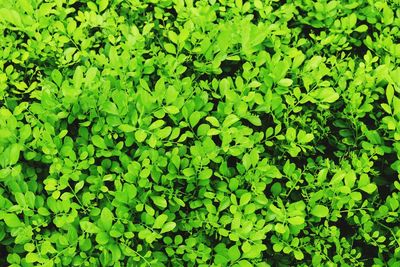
(199, 133)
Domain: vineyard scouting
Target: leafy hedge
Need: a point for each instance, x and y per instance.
(199, 133)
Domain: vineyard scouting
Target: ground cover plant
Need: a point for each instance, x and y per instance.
(199, 133)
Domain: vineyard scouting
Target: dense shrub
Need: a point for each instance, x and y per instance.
(199, 133)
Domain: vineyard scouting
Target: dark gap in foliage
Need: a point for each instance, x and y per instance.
(301, 12)
(110, 185)
(359, 51)
(216, 140)
(3, 255)
(307, 29)
(78, 6)
(168, 11)
(99, 44)
(329, 144)
(215, 167)
(202, 75)
(271, 152)
(279, 3)
(368, 251)
(371, 28)
(369, 121)
(296, 195)
(268, 191)
(73, 129)
(329, 149)
(106, 163)
(266, 121)
(171, 11)
(256, 17)
(7, 32)
(169, 121)
(233, 161)
(277, 260)
(346, 229)
(31, 78)
(121, 138)
(149, 8)
(19, 36)
(94, 29)
(11, 104)
(188, 141)
(42, 170)
(230, 68)
(215, 102)
(300, 161)
(387, 176)
(384, 191)
(189, 68)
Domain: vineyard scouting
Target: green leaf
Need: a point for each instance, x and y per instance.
(245, 198)
(43, 211)
(327, 95)
(285, 82)
(313, 63)
(213, 121)
(172, 110)
(298, 255)
(24, 235)
(255, 120)
(32, 257)
(102, 238)
(98, 142)
(389, 93)
(290, 134)
(159, 201)
(160, 220)
(78, 78)
(103, 5)
(110, 108)
(11, 16)
(12, 220)
(140, 135)
(194, 118)
(396, 106)
(229, 120)
(234, 253)
(369, 188)
(26, 6)
(173, 37)
(170, 48)
(320, 211)
(106, 219)
(388, 15)
(224, 85)
(297, 220)
(57, 77)
(253, 251)
(280, 228)
(361, 28)
(205, 174)
(155, 125)
(277, 247)
(126, 128)
(169, 226)
(78, 186)
(171, 95)
(89, 227)
(14, 153)
(244, 263)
